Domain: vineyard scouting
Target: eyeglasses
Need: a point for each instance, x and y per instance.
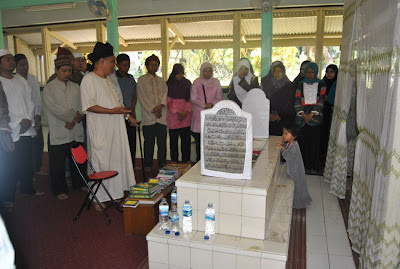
(310, 72)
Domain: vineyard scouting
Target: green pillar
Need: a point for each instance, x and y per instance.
(112, 26)
(266, 42)
(1, 33)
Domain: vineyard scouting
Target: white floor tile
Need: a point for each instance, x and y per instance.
(335, 228)
(341, 262)
(317, 261)
(338, 244)
(317, 244)
(316, 228)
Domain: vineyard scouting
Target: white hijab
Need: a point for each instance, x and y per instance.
(240, 92)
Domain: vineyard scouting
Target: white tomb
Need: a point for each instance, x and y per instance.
(252, 219)
(258, 105)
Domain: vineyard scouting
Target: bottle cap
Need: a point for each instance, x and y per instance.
(167, 232)
(177, 233)
(206, 237)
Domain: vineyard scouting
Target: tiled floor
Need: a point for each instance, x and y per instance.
(327, 242)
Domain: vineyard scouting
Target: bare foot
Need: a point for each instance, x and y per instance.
(62, 196)
(97, 207)
(84, 188)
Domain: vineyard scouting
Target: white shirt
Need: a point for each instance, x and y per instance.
(20, 105)
(35, 92)
(62, 101)
(310, 92)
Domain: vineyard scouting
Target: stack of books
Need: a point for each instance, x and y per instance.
(172, 172)
(144, 191)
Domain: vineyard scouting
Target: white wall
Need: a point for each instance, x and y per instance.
(132, 8)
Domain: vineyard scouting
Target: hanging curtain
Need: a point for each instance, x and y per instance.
(340, 156)
(374, 217)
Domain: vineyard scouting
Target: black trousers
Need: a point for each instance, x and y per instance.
(309, 142)
(196, 137)
(57, 156)
(150, 133)
(37, 150)
(131, 131)
(16, 165)
(184, 134)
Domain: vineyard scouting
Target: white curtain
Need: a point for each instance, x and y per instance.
(374, 217)
(340, 157)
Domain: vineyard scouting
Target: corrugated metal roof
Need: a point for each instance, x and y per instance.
(298, 23)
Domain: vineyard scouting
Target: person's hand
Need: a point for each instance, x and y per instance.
(182, 115)
(78, 117)
(38, 122)
(158, 114)
(243, 74)
(133, 121)
(209, 105)
(25, 125)
(281, 144)
(157, 109)
(120, 110)
(69, 125)
(274, 118)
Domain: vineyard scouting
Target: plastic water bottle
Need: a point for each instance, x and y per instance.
(210, 221)
(174, 198)
(187, 217)
(174, 219)
(163, 210)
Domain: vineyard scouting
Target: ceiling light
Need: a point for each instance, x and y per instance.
(49, 7)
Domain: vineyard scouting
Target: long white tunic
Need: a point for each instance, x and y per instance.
(62, 102)
(20, 105)
(108, 146)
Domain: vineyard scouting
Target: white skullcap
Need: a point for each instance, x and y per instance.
(4, 52)
(78, 55)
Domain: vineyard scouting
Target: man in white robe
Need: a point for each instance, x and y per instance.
(102, 102)
(22, 71)
(21, 112)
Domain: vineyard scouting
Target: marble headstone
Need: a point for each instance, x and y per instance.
(226, 141)
(258, 105)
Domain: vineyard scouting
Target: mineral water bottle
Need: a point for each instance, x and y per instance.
(174, 198)
(174, 219)
(163, 210)
(210, 221)
(187, 217)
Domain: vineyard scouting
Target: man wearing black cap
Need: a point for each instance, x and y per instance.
(152, 94)
(102, 102)
(64, 115)
(22, 71)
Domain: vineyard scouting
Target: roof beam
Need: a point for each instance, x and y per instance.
(173, 43)
(243, 34)
(21, 4)
(122, 41)
(176, 33)
(63, 40)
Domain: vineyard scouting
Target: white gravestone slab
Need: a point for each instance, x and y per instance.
(226, 141)
(258, 105)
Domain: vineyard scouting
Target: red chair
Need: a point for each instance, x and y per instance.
(80, 157)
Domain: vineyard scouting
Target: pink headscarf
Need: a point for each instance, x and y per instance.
(211, 82)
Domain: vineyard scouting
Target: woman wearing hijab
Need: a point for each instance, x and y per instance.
(301, 74)
(179, 110)
(280, 91)
(205, 93)
(330, 79)
(242, 82)
(309, 105)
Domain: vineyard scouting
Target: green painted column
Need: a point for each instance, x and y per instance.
(112, 26)
(2, 46)
(266, 42)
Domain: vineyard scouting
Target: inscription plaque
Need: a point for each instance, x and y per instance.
(226, 141)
